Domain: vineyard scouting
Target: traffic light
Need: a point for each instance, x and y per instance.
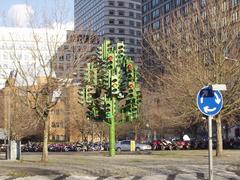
(130, 71)
(120, 49)
(109, 108)
(131, 87)
(82, 96)
(139, 96)
(99, 52)
(110, 61)
(115, 85)
(89, 91)
(87, 77)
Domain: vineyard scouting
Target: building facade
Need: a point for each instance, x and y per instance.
(158, 12)
(113, 20)
(72, 56)
(25, 48)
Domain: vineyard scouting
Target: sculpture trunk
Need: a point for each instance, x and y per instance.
(112, 137)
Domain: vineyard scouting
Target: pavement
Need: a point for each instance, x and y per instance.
(161, 165)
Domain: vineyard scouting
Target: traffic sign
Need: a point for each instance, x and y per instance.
(209, 102)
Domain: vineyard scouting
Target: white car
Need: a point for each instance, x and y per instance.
(125, 146)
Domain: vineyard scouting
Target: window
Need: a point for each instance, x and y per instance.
(121, 13)
(138, 7)
(121, 39)
(139, 42)
(111, 3)
(68, 57)
(167, 7)
(178, 2)
(144, 8)
(112, 39)
(235, 17)
(156, 25)
(120, 3)
(224, 6)
(138, 33)
(156, 13)
(138, 16)
(112, 30)
(111, 21)
(131, 14)
(132, 41)
(132, 50)
(138, 24)
(121, 22)
(131, 32)
(121, 31)
(234, 2)
(139, 51)
(203, 2)
(111, 12)
(131, 5)
(131, 23)
(155, 2)
(125, 142)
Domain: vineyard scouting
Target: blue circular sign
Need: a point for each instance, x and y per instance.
(209, 102)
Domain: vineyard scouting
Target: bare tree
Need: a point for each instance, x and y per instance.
(195, 47)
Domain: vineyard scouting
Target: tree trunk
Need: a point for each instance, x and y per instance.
(135, 133)
(45, 141)
(219, 148)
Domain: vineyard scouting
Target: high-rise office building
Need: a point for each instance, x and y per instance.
(156, 11)
(114, 20)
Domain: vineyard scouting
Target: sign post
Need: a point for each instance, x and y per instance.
(210, 155)
(210, 103)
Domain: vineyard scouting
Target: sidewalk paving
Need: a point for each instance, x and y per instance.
(179, 165)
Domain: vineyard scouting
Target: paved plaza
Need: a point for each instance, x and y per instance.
(144, 166)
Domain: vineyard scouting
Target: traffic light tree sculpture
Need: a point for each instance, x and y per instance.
(110, 89)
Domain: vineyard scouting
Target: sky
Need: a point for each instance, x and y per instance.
(22, 13)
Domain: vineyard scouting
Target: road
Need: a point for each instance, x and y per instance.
(128, 166)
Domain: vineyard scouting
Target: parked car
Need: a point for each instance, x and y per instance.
(125, 145)
(3, 147)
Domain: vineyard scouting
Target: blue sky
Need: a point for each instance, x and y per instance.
(12, 11)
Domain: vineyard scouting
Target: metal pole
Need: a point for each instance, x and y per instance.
(210, 156)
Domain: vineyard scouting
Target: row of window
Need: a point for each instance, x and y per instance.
(183, 11)
(125, 13)
(158, 12)
(124, 31)
(123, 4)
(167, 6)
(235, 17)
(57, 125)
(22, 56)
(123, 22)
